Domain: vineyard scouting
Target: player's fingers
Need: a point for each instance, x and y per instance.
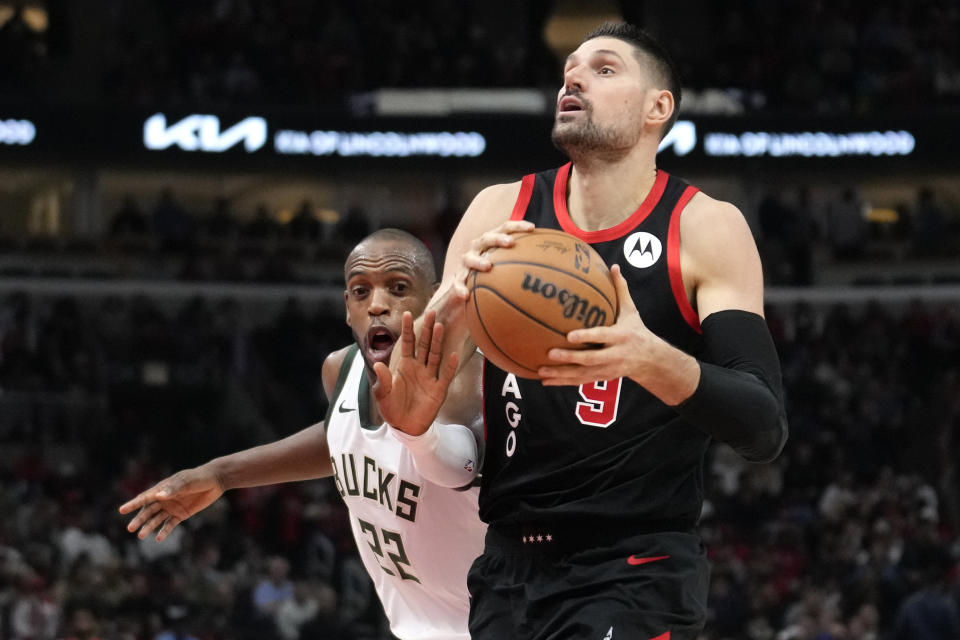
(143, 515)
(168, 526)
(593, 335)
(152, 524)
(566, 381)
(435, 354)
(425, 339)
(474, 260)
(501, 236)
(515, 226)
(579, 357)
(460, 289)
(407, 337)
(449, 371)
(135, 503)
(384, 382)
(624, 301)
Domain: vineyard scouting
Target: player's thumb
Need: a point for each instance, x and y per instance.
(384, 383)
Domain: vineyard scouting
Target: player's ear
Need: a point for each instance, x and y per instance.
(661, 108)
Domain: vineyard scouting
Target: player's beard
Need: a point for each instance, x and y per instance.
(575, 138)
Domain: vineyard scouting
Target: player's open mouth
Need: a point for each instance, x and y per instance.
(569, 103)
(380, 341)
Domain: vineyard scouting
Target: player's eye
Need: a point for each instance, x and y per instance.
(400, 288)
(358, 292)
(605, 71)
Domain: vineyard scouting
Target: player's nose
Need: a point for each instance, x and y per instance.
(379, 302)
(574, 80)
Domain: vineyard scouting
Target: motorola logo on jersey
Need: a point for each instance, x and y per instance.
(642, 249)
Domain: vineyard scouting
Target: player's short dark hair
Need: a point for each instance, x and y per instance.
(422, 256)
(647, 46)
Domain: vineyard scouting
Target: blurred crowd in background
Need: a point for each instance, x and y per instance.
(851, 534)
(799, 237)
(846, 57)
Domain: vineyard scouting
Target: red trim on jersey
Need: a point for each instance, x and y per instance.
(662, 636)
(523, 198)
(614, 232)
(673, 261)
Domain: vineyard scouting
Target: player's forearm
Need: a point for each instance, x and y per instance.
(738, 398)
(301, 456)
(668, 373)
(450, 313)
(446, 454)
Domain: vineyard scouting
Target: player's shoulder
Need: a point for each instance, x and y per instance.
(706, 209)
(708, 220)
(497, 197)
(331, 368)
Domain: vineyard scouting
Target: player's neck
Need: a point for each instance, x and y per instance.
(601, 193)
(374, 417)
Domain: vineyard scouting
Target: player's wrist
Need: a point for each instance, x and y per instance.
(411, 431)
(418, 440)
(668, 373)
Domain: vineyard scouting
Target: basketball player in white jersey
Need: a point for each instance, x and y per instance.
(413, 509)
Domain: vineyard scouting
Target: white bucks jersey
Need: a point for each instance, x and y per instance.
(417, 539)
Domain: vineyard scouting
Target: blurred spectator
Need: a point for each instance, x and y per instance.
(34, 612)
(930, 225)
(220, 223)
(81, 538)
(171, 222)
(82, 625)
(353, 227)
(274, 589)
(304, 225)
(847, 225)
(22, 51)
(262, 226)
(129, 220)
(297, 611)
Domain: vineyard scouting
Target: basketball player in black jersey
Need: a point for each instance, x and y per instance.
(593, 482)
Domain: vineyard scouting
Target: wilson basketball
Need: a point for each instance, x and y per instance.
(546, 285)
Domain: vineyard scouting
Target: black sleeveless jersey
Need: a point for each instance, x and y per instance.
(609, 453)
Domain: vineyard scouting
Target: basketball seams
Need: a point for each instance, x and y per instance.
(511, 315)
(483, 326)
(570, 274)
(515, 307)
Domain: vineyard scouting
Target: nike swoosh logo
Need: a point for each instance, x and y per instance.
(343, 409)
(638, 560)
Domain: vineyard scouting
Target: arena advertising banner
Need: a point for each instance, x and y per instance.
(305, 140)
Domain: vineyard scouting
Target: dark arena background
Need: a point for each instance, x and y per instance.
(180, 180)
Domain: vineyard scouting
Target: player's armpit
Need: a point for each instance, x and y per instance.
(739, 399)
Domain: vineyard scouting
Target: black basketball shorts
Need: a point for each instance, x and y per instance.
(651, 586)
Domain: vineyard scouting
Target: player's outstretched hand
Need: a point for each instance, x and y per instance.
(171, 501)
(620, 352)
(410, 397)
